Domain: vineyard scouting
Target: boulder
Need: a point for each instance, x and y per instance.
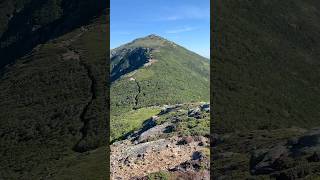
(308, 143)
(198, 155)
(155, 118)
(265, 161)
(196, 113)
(205, 107)
(166, 109)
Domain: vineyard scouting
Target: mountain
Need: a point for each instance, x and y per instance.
(266, 70)
(26, 23)
(152, 71)
(53, 95)
(159, 112)
(265, 87)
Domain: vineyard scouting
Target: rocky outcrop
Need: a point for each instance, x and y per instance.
(287, 158)
(153, 132)
(196, 169)
(137, 160)
(159, 145)
(266, 161)
(125, 60)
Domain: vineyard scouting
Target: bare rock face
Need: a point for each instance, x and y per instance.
(124, 61)
(153, 132)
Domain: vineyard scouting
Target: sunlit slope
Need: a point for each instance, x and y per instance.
(174, 75)
(153, 71)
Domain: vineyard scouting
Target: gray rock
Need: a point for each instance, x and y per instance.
(198, 155)
(155, 118)
(196, 113)
(205, 107)
(153, 132)
(265, 161)
(308, 143)
(166, 109)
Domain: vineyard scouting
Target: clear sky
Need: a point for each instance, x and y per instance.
(186, 22)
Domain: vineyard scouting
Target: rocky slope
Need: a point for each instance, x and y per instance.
(173, 143)
(291, 153)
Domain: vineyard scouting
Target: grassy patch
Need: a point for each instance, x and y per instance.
(159, 176)
(130, 121)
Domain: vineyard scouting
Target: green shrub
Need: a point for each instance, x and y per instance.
(159, 176)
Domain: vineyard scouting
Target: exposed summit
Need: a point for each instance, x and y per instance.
(150, 41)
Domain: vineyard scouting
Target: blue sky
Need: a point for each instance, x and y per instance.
(186, 22)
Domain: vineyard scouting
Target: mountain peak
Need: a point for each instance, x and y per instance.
(151, 41)
(153, 36)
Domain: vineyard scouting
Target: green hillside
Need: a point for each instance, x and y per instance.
(266, 64)
(26, 23)
(53, 101)
(173, 75)
(265, 85)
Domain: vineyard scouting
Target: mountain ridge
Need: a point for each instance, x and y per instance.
(154, 71)
(159, 111)
(149, 37)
